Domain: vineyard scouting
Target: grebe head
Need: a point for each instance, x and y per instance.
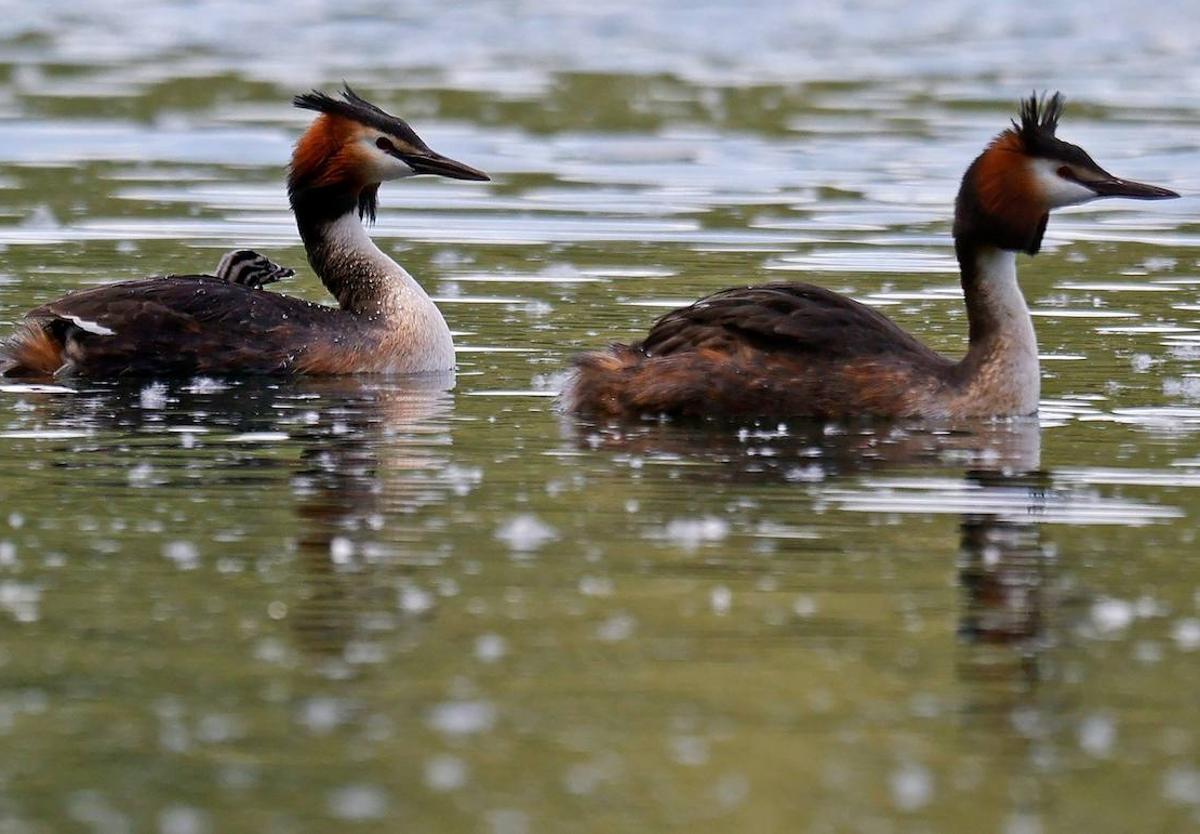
(353, 146)
(249, 268)
(1025, 173)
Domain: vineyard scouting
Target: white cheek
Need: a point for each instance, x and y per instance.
(382, 166)
(1056, 191)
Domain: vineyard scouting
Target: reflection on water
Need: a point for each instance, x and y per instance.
(349, 480)
(1005, 574)
(270, 605)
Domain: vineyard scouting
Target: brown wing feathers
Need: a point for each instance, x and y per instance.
(796, 318)
(171, 325)
(776, 348)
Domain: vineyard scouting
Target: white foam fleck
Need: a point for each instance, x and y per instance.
(1097, 734)
(206, 385)
(490, 648)
(596, 586)
(445, 773)
(182, 819)
(616, 628)
(1186, 387)
(20, 600)
(690, 533)
(461, 718)
(184, 554)
(153, 397)
(45, 434)
(584, 778)
(341, 550)
(721, 600)
(1141, 362)
(322, 715)
(809, 474)
(1186, 633)
(218, 728)
(526, 533)
(463, 479)
(358, 802)
(1182, 785)
(1111, 615)
(142, 475)
(911, 787)
(415, 601)
(690, 751)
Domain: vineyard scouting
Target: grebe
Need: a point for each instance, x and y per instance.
(798, 350)
(198, 324)
(250, 269)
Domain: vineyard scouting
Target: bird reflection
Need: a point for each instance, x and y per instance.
(369, 449)
(375, 457)
(1004, 575)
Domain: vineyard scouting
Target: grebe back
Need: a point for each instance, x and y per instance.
(797, 350)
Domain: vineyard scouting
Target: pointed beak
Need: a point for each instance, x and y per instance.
(431, 162)
(1111, 186)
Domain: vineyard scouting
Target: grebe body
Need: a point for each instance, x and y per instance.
(797, 350)
(226, 324)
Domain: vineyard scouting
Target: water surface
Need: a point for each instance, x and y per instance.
(441, 605)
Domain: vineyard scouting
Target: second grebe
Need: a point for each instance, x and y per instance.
(792, 350)
(198, 324)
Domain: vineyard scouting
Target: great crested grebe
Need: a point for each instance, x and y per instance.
(249, 268)
(199, 324)
(798, 350)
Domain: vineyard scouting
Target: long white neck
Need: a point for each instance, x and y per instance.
(350, 257)
(1002, 361)
(370, 285)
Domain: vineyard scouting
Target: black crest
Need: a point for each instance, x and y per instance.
(356, 108)
(1039, 121)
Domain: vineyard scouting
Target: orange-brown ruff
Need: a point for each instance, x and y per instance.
(201, 324)
(790, 349)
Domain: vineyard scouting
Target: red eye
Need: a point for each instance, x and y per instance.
(1066, 173)
(384, 144)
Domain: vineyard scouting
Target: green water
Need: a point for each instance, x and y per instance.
(343, 605)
